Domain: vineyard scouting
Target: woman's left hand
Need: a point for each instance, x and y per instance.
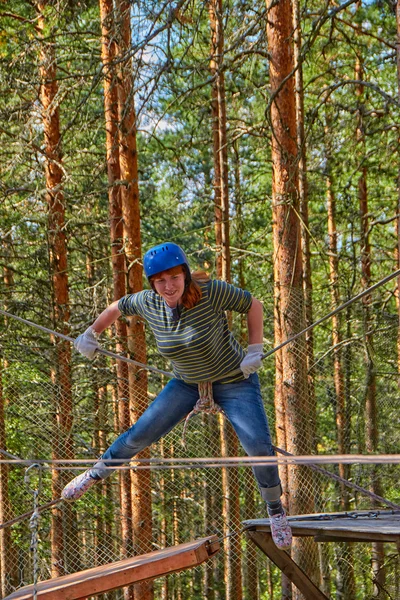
(253, 360)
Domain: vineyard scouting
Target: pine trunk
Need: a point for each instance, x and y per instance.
(371, 417)
(288, 258)
(303, 200)
(8, 551)
(229, 443)
(220, 148)
(250, 562)
(346, 565)
(313, 550)
(109, 53)
(8, 558)
(128, 160)
(397, 251)
(65, 555)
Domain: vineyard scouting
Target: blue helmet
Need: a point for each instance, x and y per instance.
(163, 257)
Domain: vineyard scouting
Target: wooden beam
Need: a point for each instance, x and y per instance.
(284, 562)
(98, 580)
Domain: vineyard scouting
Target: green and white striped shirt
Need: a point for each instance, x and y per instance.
(199, 344)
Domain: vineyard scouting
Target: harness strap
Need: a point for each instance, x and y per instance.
(205, 403)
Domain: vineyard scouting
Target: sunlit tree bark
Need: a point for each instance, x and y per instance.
(220, 149)
(371, 417)
(250, 581)
(140, 494)
(288, 259)
(345, 566)
(64, 555)
(8, 556)
(397, 250)
(229, 443)
(109, 54)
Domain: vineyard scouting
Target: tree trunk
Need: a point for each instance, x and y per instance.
(371, 418)
(303, 200)
(141, 483)
(220, 148)
(231, 514)
(8, 551)
(250, 562)
(397, 251)
(229, 443)
(65, 556)
(288, 258)
(314, 550)
(164, 594)
(346, 565)
(8, 557)
(109, 53)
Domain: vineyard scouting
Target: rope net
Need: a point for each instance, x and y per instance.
(349, 404)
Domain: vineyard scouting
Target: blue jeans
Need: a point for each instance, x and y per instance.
(242, 405)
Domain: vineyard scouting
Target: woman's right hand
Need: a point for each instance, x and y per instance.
(87, 343)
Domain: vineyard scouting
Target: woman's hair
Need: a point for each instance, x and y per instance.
(192, 294)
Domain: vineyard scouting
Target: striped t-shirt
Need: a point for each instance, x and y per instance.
(199, 344)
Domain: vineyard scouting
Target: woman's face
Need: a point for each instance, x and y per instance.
(170, 285)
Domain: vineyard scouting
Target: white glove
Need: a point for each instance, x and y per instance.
(87, 343)
(253, 359)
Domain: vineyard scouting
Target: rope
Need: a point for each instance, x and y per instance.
(334, 312)
(227, 461)
(29, 514)
(236, 371)
(234, 461)
(205, 403)
(345, 482)
(12, 456)
(100, 350)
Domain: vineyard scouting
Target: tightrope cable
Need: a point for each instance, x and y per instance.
(236, 371)
(67, 338)
(334, 312)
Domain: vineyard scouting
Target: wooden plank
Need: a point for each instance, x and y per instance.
(285, 563)
(97, 580)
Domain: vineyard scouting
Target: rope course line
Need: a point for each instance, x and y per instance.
(346, 482)
(12, 456)
(334, 312)
(100, 350)
(239, 461)
(265, 355)
(29, 514)
(223, 462)
(176, 463)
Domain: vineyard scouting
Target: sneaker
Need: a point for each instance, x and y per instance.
(281, 531)
(78, 486)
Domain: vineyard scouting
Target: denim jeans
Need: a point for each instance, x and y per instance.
(242, 405)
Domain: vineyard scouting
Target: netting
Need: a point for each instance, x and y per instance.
(140, 510)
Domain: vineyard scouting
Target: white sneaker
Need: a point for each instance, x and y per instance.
(281, 531)
(78, 486)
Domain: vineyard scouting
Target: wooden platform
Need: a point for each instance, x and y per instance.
(79, 586)
(342, 527)
(379, 526)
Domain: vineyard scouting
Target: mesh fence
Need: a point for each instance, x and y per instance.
(350, 403)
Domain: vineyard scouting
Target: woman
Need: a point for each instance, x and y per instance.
(186, 313)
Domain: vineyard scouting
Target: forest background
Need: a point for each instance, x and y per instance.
(264, 139)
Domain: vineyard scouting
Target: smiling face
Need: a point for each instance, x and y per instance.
(170, 285)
